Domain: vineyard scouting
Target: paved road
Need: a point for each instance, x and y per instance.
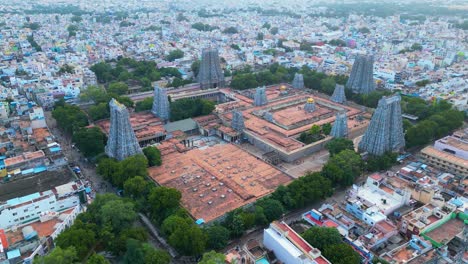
(74, 157)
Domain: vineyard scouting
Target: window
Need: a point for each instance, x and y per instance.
(51, 202)
(62, 206)
(37, 207)
(21, 218)
(15, 214)
(52, 208)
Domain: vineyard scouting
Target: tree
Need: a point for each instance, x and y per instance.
(322, 237)
(274, 30)
(136, 187)
(416, 46)
(175, 54)
(336, 145)
(341, 254)
(144, 105)
(188, 108)
(260, 218)
(272, 209)
(90, 141)
(163, 202)
(118, 88)
(328, 85)
(99, 111)
(153, 155)
(237, 226)
(66, 69)
(173, 222)
(326, 129)
(364, 30)
(213, 258)
(343, 168)
(380, 163)
(218, 237)
(266, 25)
(82, 240)
(315, 130)
(230, 30)
(76, 19)
(97, 259)
(260, 36)
(155, 256)
(69, 117)
(117, 214)
(235, 47)
(195, 67)
(189, 241)
(58, 256)
(134, 253)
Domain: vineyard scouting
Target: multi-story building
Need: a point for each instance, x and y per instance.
(289, 247)
(449, 154)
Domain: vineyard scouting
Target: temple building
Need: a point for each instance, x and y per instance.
(385, 131)
(310, 105)
(237, 121)
(122, 142)
(339, 95)
(161, 107)
(340, 127)
(210, 74)
(298, 82)
(260, 97)
(361, 79)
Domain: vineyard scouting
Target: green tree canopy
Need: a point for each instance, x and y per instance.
(117, 214)
(272, 208)
(90, 141)
(343, 168)
(213, 258)
(322, 237)
(81, 239)
(336, 145)
(69, 117)
(97, 259)
(163, 202)
(218, 237)
(153, 155)
(58, 256)
(136, 187)
(99, 111)
(342, 254)
(175, 54)
(144, 105)
(118, 88)
(187, 108)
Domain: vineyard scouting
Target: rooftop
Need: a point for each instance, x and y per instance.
(445, 156)
(215, 180)
(447, 231)
(145, 125)
(35, 183)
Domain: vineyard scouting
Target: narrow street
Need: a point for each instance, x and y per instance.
(75, 158)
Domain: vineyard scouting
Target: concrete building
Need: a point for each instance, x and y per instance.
(289, 247)
(385, 131)
(449, 154)
(122, 142)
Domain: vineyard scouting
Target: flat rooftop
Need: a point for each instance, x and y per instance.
(145, 125)
(218, 179)
(454, 142)
(446, 231)
(35, 183)
(445, 156)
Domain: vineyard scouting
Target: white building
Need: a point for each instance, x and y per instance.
(289, 247)
(22, 210)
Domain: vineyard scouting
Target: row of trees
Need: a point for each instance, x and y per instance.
(204, 27)
(247, 79)
(106, 225)
(187, 108)
(127, 69)
(101, 98)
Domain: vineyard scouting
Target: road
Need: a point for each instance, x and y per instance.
(88, 170)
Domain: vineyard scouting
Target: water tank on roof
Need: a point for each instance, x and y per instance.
(28, 232)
